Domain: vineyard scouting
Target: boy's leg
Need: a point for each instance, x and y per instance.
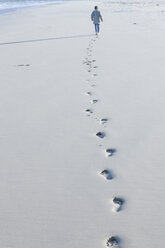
(96, 28)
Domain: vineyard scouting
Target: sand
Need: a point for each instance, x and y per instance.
(54, 69)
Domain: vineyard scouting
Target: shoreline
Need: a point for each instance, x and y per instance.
(8, 11)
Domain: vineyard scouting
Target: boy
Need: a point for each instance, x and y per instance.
(96, 17)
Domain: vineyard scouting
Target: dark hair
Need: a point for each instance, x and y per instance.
(96, 7)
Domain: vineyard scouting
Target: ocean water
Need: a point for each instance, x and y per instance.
(8, 6)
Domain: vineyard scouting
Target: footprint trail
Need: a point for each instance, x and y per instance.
(92, 74)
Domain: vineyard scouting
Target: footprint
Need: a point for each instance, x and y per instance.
(112, 241)
(89, 111)
(94, 75)
(85, 61)
(118, 202)
(110, 151)
(95, 67)
(107, 174)
(94, 101)
(101, 135)
(94, 60)
(103, 120)
(89, 93)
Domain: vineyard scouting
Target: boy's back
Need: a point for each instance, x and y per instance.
(96, 16)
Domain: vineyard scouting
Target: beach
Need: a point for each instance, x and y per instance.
(82, 126)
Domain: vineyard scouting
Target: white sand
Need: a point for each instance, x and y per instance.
(50, 158)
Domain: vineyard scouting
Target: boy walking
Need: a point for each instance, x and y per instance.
(96, 17)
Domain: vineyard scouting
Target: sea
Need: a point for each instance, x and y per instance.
(8, 6)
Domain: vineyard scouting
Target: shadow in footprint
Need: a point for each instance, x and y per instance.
(89, 111)
(100, 135)
(94, 101)
(113, 241)
(107, 174)
(103, 120)
(110, 151)
(87, 62)
(89, 93)
(118, 203)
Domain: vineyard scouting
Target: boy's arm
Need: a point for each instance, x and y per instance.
(101, 18)
(92, 16)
